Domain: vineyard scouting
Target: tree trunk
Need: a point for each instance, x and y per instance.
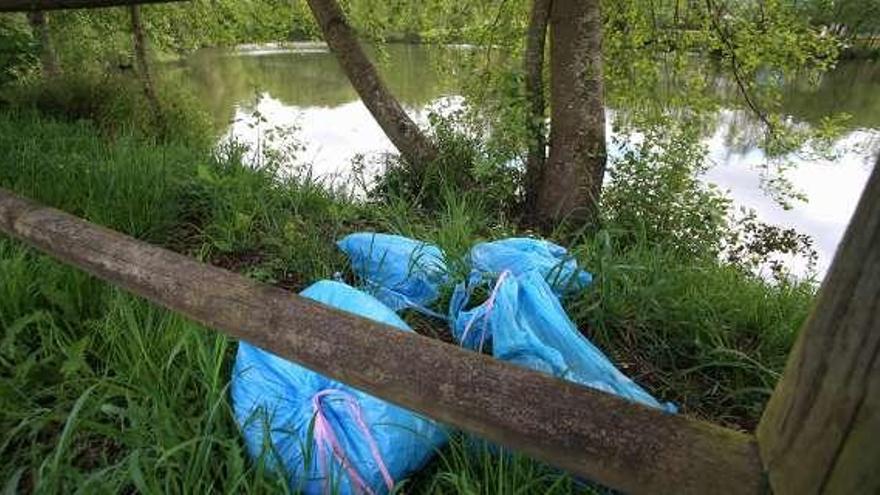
(415, 147)
(534, 85)
(142, 62)
(572, 178)
(48, 57)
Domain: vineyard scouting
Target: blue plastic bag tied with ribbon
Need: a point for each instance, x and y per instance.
(527, 326)
(323, 435)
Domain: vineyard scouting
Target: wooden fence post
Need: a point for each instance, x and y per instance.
(821, 430)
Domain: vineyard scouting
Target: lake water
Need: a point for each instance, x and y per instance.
(300, 87)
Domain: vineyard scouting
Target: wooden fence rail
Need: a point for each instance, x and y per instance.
(623, 445)
(35, 5)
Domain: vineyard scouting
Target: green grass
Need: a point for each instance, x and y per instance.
(103, 393)
(708, 336)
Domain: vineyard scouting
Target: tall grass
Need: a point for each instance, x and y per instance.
(712, 337)
(114, 101)
(103, 393)
(127, 184)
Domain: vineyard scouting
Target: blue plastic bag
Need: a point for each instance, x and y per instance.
(401, 272)
(521, 255)
(469, 327)
(527, 326)
(311, 419)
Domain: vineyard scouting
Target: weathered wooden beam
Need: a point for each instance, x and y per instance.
(602, 437)
(820, 432)
(35, 5)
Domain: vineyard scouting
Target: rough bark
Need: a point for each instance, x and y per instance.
(35, 5)
(820, 433)
(48, 57)
(534, 85)
(142, 62)
(572, 178)
(590, 433)
(412, 143)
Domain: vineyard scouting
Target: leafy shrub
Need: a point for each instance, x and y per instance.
(655, 192)
(656, 196)
(465, 165)
(756, 245)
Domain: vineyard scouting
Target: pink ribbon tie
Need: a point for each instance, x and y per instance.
(325, 436)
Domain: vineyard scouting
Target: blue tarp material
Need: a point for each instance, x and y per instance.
(326, 425)
(522, 319)
(399, 271)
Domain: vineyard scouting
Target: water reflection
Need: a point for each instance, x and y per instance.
(303, 76)
(329, 137)
(853, 87)
(831, 186)
(256, 88)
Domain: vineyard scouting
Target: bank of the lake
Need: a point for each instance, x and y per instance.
(107, 393)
